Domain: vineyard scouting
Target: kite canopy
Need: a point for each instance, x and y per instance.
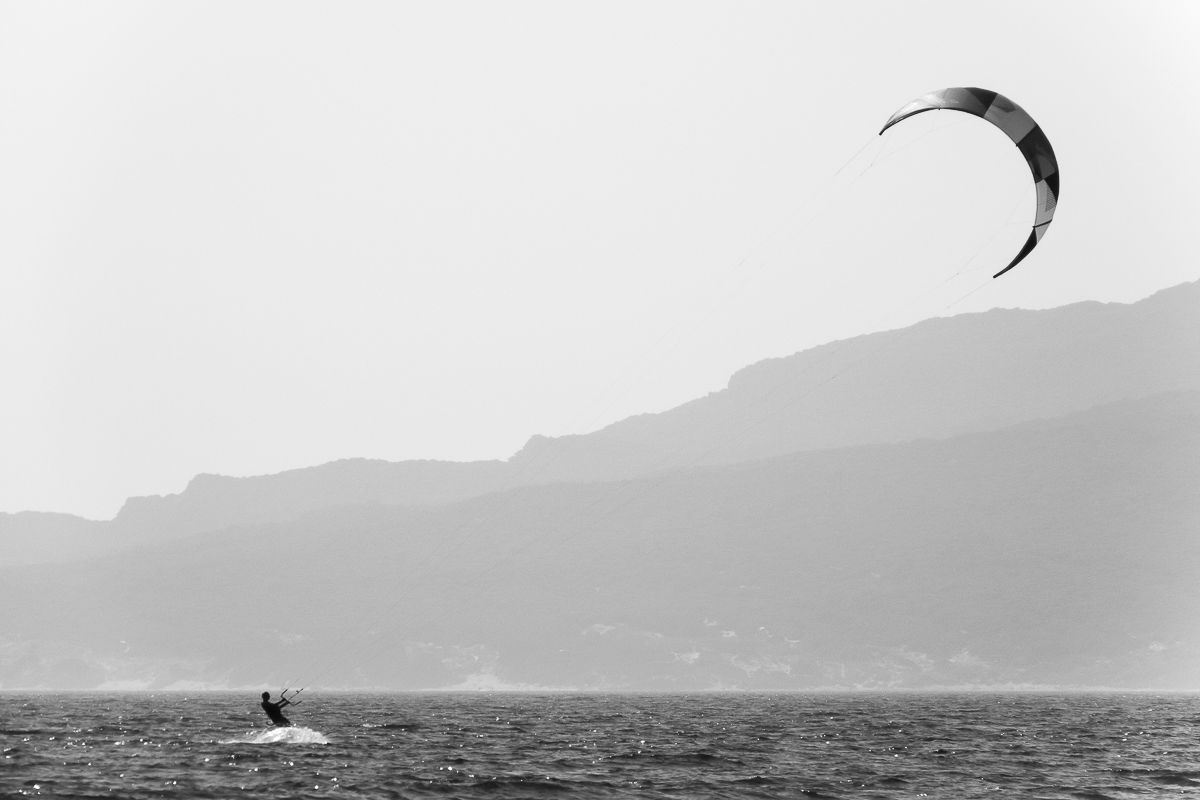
(1020, 127)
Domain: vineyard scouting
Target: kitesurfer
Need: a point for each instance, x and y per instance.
(273, 710)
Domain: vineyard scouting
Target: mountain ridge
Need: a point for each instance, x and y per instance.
(940, 377)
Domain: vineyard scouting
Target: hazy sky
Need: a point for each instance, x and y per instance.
(246, 237)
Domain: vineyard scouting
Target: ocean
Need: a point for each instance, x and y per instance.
(866, 745)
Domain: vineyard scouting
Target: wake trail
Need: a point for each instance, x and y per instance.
(293, 735)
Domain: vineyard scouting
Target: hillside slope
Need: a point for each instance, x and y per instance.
(1058, 552)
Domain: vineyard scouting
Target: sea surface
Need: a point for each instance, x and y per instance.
(605, 746)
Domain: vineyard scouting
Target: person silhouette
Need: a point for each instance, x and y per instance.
(273, 710)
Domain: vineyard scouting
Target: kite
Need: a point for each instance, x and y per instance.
(1018, 126)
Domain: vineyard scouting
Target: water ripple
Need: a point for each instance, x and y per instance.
(1098, 747)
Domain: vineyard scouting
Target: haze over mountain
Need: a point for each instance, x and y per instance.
(998, 498)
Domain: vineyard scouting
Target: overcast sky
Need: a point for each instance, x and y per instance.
(246, 237)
